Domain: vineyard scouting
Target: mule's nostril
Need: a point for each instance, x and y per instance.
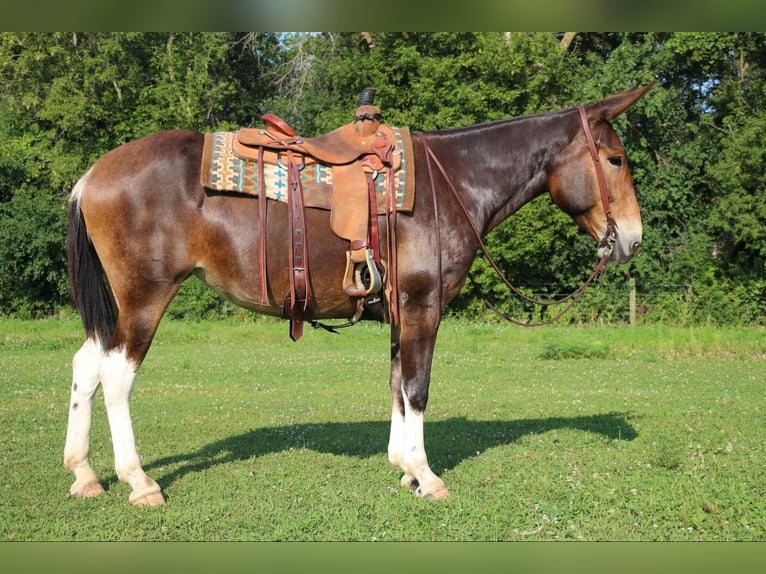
(634, 246)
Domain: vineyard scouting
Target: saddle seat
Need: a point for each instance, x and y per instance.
(341, 146)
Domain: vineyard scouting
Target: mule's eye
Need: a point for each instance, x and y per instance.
(615, 160)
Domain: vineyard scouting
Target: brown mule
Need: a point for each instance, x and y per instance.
(140, 218)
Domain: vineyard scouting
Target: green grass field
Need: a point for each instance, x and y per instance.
(602, 433)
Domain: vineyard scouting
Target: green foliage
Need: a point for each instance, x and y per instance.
(67, 98)
(564, 349)
(197, 302)
(695, 142)
(739, 211)
(32, 281)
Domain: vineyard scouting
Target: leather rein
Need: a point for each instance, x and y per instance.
(572, 298)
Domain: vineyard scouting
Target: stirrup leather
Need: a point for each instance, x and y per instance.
(355, 283)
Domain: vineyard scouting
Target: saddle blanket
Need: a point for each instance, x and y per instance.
(221, 170)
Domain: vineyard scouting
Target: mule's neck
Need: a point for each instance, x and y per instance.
(499, 167)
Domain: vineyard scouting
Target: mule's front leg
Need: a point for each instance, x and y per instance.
(406, 449)
(406, 446)
(85, 367)
(117, 376)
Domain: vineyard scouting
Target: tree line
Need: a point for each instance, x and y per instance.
(695, 145)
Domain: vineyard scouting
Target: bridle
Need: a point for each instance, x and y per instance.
(611, 224)
(607, 241)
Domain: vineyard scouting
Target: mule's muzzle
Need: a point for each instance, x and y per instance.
(622, 250)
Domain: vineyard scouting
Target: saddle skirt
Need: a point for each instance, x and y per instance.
(223, 170)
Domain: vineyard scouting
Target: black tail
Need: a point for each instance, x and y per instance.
(90, 292)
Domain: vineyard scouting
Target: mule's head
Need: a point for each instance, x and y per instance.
(574, 186)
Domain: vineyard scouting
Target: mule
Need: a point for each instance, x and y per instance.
(140, 223)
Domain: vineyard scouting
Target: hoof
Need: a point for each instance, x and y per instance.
(150, 499)
(440, 493)
(89, 490)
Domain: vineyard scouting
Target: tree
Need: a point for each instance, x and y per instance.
(67, 98)
(695, 142)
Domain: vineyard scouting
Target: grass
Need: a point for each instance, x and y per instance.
(603, 433)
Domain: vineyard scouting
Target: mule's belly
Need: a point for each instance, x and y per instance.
(231, 264)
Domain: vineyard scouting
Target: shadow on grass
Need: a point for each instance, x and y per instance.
(448, 442)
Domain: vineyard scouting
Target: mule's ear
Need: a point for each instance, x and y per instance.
(613, 106)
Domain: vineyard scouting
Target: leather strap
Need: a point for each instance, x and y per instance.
(437, 226)
(300, 285)
(264, 298)
(391, 247)
(373, 214)
(611, 224)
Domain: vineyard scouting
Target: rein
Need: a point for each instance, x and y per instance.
(598, 268)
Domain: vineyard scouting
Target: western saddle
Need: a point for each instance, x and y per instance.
(357, 152)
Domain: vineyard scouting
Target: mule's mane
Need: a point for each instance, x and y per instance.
(501, 123)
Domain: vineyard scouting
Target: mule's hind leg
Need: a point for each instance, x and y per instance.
(117, 372)
(132, 337)
(85, 367)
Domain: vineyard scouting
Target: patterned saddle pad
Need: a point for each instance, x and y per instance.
(221, 170)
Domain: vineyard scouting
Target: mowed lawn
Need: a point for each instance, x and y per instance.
(558, 433)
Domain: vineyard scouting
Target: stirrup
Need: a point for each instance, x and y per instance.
(353, 283)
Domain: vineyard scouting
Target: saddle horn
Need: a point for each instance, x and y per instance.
(367, 110)
(367, 97)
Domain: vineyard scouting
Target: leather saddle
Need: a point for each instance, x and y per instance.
(353, 151)
(356, 152)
